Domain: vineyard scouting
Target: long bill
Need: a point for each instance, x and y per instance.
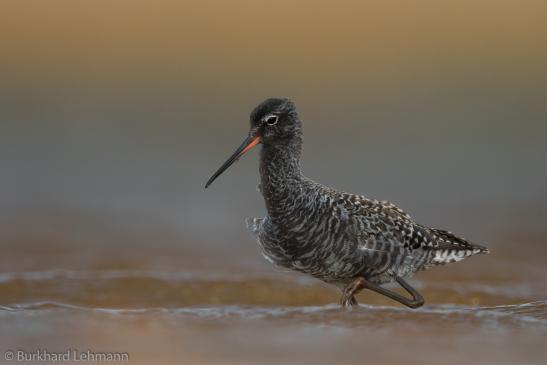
(246, 146)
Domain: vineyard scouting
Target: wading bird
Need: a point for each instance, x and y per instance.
(343, 239)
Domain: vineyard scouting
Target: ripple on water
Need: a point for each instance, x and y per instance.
(529, 315)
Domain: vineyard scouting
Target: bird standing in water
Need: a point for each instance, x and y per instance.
(343, 239)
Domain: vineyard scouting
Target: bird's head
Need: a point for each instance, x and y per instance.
(273, 122)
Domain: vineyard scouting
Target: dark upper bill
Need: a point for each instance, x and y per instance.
(248, 144)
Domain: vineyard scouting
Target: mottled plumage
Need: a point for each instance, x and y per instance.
(335, 236)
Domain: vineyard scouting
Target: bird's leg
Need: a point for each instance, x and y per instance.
(416, 301)
(348, 294)
(348, 299)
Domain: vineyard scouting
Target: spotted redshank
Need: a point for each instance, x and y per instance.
(343, 239)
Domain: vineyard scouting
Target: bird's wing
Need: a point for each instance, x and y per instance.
(388, 233)
(386, 219)
(376, 226)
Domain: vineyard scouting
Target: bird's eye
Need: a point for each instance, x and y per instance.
(271, 119)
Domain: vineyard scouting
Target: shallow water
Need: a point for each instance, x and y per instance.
(165, 299)
(165, 316)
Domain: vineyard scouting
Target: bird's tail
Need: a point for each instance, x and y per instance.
(451, 248)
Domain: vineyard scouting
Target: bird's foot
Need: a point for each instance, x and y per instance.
(348, 296)
(348, 302)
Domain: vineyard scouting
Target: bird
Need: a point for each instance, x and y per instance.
(343, 239)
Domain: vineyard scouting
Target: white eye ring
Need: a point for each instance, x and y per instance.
(271, 119)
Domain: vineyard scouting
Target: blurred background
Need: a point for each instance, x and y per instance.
(114, 114)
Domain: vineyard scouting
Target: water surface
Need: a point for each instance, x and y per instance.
(221, 314)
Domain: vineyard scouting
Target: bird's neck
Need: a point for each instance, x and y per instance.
(280, 175)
